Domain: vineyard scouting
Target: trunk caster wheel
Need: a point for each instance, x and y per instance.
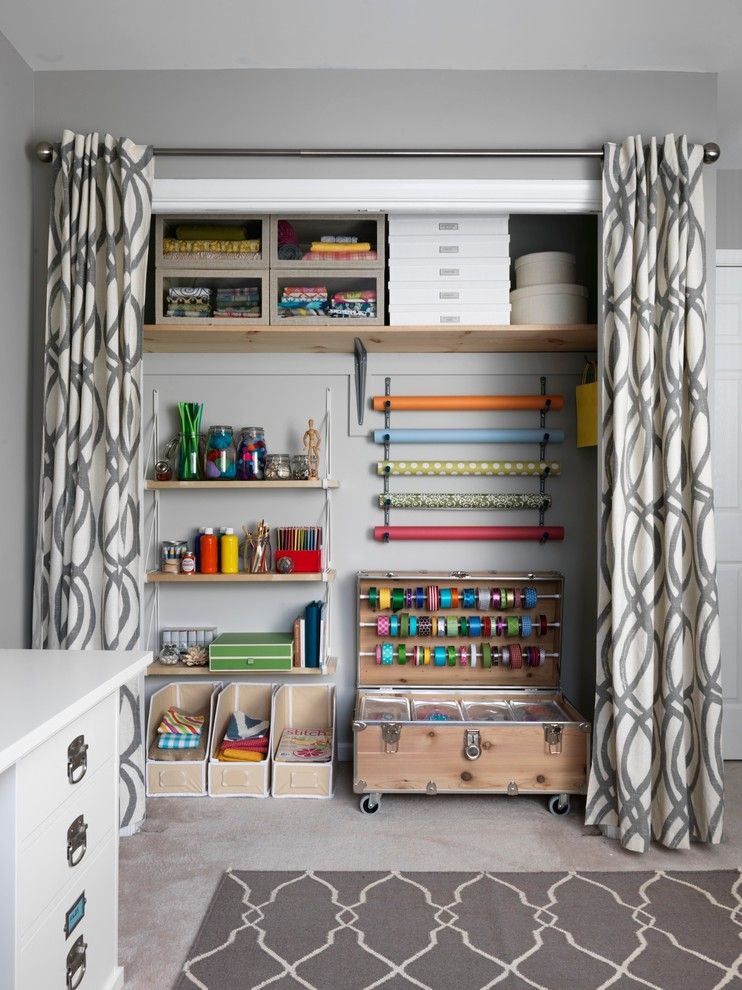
(559, 804)
(370, 804)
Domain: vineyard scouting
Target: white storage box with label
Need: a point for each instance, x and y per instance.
(240, 779)
(424, 270)
(446, 269)
(432, 225)
(303, 746)
(422, 294)
(454, 246)
(180, 772)
(475, 316)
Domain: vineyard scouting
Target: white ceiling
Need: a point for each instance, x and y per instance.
(683, 35)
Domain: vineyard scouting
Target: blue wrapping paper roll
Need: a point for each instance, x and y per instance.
(469, 436)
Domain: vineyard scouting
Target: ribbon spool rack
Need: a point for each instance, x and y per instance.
(539, 467)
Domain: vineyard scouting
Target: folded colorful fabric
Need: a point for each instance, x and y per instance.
(176, 741)
(179, 313)
(228, 754)
(324, 256)
(209, 232)
(288, 313)
(289, 252)
(352, 311)
(189, 293)
(286, 233)
(247, 293)
(242, 726)
(238, 314)
(368, 295)
(320, 246)
(338, 239)
(177, 722)
(259, 744)
(173, 245)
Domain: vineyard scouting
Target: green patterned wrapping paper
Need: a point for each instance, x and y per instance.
(453, 468)
(459, 500)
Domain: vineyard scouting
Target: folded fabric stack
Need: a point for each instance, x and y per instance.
(337, 248)
(303, 300)
(238, 302)
(209, 242)
(245, 741)
(353, 305)
(188, 301)
(179, 730)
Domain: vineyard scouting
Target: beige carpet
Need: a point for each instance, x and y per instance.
(170, 870)
(438, 931)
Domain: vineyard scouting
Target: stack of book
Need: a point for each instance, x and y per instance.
(309, 636)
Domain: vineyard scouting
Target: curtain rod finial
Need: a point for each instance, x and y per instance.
(45, 151)
(711, 152)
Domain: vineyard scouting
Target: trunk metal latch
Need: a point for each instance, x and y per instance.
(553, 739)
(472, 744)
(390, 733)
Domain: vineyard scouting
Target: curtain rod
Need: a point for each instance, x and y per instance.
(45, 151)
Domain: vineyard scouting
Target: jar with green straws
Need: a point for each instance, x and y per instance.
(190, 465)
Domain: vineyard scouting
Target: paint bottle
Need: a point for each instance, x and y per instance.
(197, 549)
(230, 552)
(209, 557)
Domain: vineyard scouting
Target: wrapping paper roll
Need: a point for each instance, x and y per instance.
(460, 500)
(469, 436)
(465, 403)
(535, 533)
(454, 469)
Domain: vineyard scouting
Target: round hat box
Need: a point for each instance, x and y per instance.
(549, 304)
(545, 268)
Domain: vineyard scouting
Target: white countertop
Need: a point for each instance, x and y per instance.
(44, 690)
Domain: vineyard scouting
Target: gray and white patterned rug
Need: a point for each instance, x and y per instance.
(469, 931)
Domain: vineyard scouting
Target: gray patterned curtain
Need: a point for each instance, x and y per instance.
(87, 584)
(657, 769)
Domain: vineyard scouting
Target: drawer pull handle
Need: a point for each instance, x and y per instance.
(448, 249)
(76, 963)
(77, 759)
(77, 841)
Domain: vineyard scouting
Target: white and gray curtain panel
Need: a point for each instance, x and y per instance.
(656, 769)
(87, 587)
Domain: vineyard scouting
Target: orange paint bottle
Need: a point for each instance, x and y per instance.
(209, 552)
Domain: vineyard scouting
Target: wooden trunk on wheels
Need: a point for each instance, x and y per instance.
(511, 729)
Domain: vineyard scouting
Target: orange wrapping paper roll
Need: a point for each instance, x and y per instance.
(466, 403)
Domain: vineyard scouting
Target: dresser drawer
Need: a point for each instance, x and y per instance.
(426, 294)
(414, 225)
(61, 849)
(44, 954)
(49, 775)
(448, 247)
(474, 316)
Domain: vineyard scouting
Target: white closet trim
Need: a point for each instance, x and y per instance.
(377, 195)
(728, 258)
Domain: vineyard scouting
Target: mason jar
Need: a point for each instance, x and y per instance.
(251, 454)
(221, 457)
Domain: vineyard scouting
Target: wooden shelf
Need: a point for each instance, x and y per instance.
(195, 485)
(160, 577)
(181, 670)
(400, 340)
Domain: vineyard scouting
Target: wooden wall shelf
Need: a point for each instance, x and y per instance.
(181, 670)
(151, 485)
(161, 577)
(208, 337)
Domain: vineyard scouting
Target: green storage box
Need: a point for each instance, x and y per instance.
(251, 651)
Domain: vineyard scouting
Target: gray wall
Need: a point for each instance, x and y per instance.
(280, 108)
(16, 127)
(729, 208)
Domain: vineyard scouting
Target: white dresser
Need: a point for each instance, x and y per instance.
(59, 808)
